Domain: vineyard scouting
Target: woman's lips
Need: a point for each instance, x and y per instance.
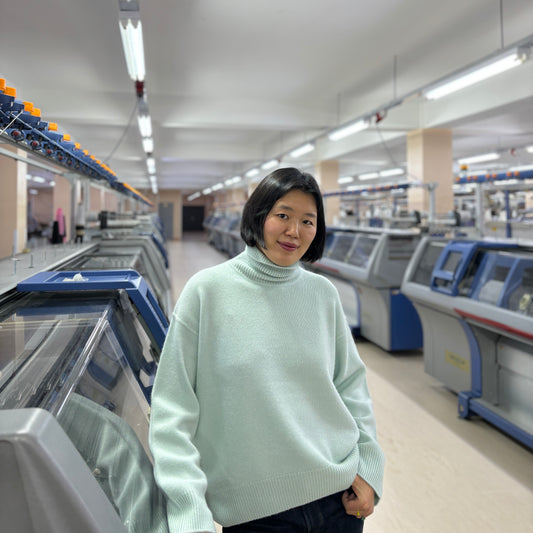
(288, 247)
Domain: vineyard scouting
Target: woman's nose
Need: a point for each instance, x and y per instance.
(293, 229)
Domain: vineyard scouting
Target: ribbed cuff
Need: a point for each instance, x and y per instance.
(372, 466)
(189, 516)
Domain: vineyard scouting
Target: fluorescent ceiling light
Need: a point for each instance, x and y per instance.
(232, 181)
(148, 145)
(529, 149)
(478, 158)
(480, 73)
(302, 150)
(193, 196)
(477, 172)
(145, 125)
(391, 172)
(252, 172)
(218, 186)
(345, 179)
(150, 164)
(132, 41)
(521, 168)
(270, 164)
(207, 191)
(368, 176)
(350, 129)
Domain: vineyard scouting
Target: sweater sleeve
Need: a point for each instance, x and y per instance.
(350, 381)
(173, 423)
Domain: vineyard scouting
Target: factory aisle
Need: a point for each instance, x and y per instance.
(443, 474)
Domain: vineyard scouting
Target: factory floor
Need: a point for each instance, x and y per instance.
(443, 474)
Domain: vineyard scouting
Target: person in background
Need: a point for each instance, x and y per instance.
(261, 417)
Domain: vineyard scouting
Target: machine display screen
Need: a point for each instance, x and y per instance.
(452, 261)
(402, 247)
(362, 250)
(427, 262)
(341, 246)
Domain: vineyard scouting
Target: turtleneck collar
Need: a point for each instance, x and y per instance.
(256, 265)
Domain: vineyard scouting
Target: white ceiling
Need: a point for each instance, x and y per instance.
(233, 83)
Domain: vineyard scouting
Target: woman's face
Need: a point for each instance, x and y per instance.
(290, 228)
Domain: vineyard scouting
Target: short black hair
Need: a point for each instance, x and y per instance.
(273, 187)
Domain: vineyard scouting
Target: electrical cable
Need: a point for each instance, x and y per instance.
(128, 125)
(391, 157)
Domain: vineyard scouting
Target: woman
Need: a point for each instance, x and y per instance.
(261, 416)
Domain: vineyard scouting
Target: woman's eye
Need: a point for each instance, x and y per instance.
(283, 216)
(308, 222)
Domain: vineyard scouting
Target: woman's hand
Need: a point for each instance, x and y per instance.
(360, 503)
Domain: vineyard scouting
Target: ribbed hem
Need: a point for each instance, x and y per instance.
(271, 496)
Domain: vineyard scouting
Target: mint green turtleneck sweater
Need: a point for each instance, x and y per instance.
(260, 401)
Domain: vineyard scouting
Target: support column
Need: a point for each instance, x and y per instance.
(13, 204)
(327, 175)
(111, 201)
(95, 201)
(172, 198)
(238, 199)
(529, 199)
(430, 160)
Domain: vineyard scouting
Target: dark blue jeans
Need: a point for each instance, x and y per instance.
(326, 515)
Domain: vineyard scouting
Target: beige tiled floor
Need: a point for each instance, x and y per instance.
(443, 474)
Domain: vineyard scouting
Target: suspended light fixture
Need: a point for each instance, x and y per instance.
(492, 67)
(150, 165)
(480, 172)
(270, 164)
(232, 181)
(132, 38)
(145, 124)
(252, 172)
(153, 182)
(368, 176)
(478, 158)
(345, 179)
(521, 168)
(391, 172)
(349, 129)
(302, 150)
(148, 145)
